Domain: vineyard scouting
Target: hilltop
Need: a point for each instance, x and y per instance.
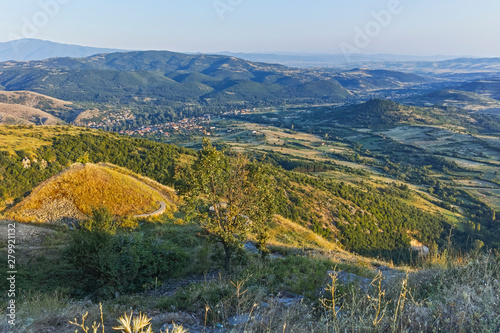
(70, 195)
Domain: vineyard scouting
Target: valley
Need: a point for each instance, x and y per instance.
(208, 189)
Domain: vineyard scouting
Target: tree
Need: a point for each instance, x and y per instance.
(230, 196)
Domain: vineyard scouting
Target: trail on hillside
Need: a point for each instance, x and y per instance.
(157, 212)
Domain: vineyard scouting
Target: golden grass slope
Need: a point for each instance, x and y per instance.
(284, 232)
(71, 195)
(20, 114)
(29, 138)
(31, 99)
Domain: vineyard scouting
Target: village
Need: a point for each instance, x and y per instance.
(191, 125)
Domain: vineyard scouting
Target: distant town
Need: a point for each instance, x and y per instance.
(200, 124)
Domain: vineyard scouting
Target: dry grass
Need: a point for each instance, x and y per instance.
(284, 232)
(11, 143)
(34, 98)
(36, 313)
(459, 294)
(30, 138)
(169, 193)
(89, 185)
(28, 114)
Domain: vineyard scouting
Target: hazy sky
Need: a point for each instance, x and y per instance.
(416, 27)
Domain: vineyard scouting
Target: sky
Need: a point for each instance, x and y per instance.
(405, 27)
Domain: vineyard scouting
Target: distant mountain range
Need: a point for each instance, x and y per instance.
(163, 83)
(305, 60)
(162, 78)
(36, 49)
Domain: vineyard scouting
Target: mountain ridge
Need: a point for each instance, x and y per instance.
(36, 49)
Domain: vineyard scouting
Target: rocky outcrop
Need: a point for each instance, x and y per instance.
(59, 211)
(26, 163)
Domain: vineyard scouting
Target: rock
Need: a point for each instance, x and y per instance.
(384, 268)
(289, 301)
(346, 278)
(26, 163)
(166, 327)
(390, 277)
(251, 248)
(274, 256)
(239, 320)
(264, 305)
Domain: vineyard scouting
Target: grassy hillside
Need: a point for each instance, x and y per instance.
(324, 206)
(301, 289)
(14, 114)
(75, 191)
(31, 99)
(39, 109)
(325, 209)
(323, 187)
(50, 150)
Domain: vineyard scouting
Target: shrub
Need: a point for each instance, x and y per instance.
(107, 263)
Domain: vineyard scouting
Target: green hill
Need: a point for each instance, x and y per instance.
(463, 99)
(381, 114)
(489, 88)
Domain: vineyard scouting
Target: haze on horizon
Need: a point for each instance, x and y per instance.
(405, 27)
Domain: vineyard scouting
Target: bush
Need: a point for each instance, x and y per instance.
(106, 263)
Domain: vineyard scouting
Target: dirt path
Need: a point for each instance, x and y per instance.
(157, 212)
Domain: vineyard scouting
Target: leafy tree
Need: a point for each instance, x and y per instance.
(230, 196)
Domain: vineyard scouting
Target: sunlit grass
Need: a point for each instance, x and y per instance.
(90, 185)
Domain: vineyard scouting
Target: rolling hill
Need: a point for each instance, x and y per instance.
(14, 114)
(36, 49)
(380, 114)
(70, 195)
(448, 68)
(319, 204)
(29, 108)
(450, 97)
(360, 79)
(486, 87)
